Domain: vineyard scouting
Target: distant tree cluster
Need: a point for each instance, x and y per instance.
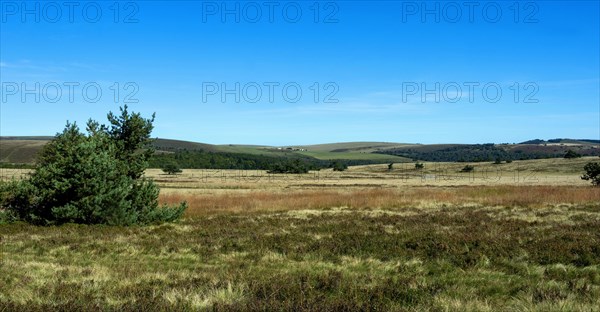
(93, 178)
(296, 166)
(483, 152)
(462, 153)
(572, 154)
(224, 160)
(535, 141)
(339, 166)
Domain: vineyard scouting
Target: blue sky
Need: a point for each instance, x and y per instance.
(396, 71)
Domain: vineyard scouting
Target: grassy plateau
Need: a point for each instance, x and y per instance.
(523, 236)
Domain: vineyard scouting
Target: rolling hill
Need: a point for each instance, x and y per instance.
(22, 150)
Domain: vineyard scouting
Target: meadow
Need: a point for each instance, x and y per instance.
(521, 236)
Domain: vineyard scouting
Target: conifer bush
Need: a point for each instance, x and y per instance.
(93, 178)
(592, 172)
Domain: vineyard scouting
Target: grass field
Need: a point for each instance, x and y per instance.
(512, 237)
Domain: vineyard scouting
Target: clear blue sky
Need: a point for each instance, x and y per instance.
(370, 60)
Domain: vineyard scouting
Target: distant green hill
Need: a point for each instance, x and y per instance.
(176, 145)
(22, 150)
(351, 147)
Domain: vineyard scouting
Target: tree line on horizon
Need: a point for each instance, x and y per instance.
(198, 159)
(480, 153)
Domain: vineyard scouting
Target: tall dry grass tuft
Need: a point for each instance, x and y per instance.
(273, 201)
(511, 195)
(530, 196)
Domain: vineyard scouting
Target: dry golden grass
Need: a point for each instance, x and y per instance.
(363, 239)
(557, 171)
(507, 195)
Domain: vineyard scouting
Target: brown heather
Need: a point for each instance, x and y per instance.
(507, 195)
(360, 243)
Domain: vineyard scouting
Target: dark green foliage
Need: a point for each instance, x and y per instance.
(171, 168)
(473, 152)
(592, 172)
(93, 178)
(212, 160)
(508, 161)
(6, 189)
(536, 141)
(467, 168)
(572, 154)
(198, 159)
(419, 166)
(497, 161)
(130, 133)
(339, 166)
(296, 166)
(482, 152)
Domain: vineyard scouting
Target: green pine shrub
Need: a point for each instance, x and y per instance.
(93, 178)
(592, 172)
